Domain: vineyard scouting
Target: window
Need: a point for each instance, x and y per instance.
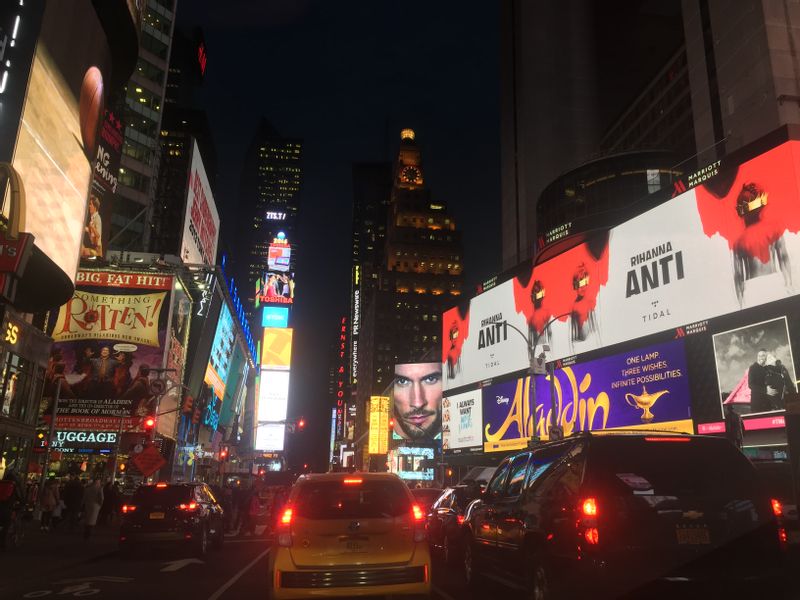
(519, 467)
(498, 482)
(336, 500)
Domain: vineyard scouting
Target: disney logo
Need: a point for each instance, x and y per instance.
(502, 399)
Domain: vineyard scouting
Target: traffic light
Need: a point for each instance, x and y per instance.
(122, 467)
(223, 454)
(149, 423)
(186, 407)
(301, 424)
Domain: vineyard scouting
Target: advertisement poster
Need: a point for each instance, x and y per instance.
(275, 288)
(279, 255)
(273, 403)
(462, 421)
(167, 422)
(275, 316)
(237, 375)
(407, 462)
(726, 245)
(221, 351)
(378, 441)
(107, 337)
(201, 221)
(276, 349)
(755, 367)
(417, 401)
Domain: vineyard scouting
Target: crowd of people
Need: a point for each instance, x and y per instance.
(72, 501)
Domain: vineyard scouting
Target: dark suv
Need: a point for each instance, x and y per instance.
(186, 513)
(603, 515)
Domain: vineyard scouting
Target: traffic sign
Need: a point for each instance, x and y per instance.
(148, 461)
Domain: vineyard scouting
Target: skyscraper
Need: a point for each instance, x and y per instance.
(269, 202)
(144, 102)
(420, 276)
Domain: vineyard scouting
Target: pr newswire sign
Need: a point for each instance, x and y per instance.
(728, 244)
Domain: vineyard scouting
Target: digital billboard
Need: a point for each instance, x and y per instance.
(407, 462)
(279, 254)
(201, 220)
(276, 348)
(274, 288)
(729, 244)
(462, 421)
(221, 351)
(378, 440)
(107, 337)
(417, 401)
(273, 402)
(275, 316)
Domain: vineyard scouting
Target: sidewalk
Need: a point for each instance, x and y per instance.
(43, 553)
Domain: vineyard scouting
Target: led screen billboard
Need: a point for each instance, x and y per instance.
(275, 316)
(378, 440)
(462, 421)
(273, 402)
(221, 350)
(409, 463)
(274, 288)
(729, 244)
(107, 337)
(417, 401)
(279, 255)
(201, 220)
(276, 348)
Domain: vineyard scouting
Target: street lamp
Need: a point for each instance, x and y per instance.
(554, 431)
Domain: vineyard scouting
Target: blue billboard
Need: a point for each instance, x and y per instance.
(275, 316)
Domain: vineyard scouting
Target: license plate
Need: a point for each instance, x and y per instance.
(693, 535)
(355, 543)
(156, 515)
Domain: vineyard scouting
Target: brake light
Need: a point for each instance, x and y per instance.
(589, 507)
(783, 538)
(161, 485)
(190, 506)
(591, 535)
(126, 508)
(417, 511)
(353, 481)
(286, 517)
(460, 519)
(667, 439)
(284, 531)
(777, 507)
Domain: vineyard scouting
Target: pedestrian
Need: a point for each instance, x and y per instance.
(48, 502)
(11, 497)
(73, 498)
(92, 502)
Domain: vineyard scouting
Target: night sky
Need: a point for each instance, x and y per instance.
(345, 77)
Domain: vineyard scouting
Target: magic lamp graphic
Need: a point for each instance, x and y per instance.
(644, 401)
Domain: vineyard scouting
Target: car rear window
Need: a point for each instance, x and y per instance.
(426, 497)
(337, 500)
(169, 495)
(698, 467)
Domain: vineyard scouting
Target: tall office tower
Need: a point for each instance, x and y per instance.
(743, 70)
(144, 101)
(420, 277)
(568, 71)
(187, 67)
(269, 202)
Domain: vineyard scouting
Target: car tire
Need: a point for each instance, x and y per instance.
(470, 565)
(539, 581)
(202, 542)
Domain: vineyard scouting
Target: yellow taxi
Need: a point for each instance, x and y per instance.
(344, 535)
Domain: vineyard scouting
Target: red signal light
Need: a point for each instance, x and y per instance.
(589, 507)
(417, 511)
(286, 517)
(149, 423)
(301, 424)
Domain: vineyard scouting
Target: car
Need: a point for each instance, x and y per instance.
(776, 476)
(347, 535)
(445, 520)
(182, 513)
(602, 515)
(425, 497)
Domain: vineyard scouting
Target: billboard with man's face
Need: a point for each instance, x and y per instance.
(417, 400)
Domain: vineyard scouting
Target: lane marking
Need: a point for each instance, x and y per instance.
(440, 592)
(216, 595)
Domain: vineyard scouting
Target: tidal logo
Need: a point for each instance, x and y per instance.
(493, 331)
(656, 267)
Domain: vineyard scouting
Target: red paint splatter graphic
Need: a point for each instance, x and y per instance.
(565, 285)
(455, 330)
(753, 206)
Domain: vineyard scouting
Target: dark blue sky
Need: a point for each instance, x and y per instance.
(346, 76)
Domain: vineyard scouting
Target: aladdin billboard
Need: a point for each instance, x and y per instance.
(713, 269)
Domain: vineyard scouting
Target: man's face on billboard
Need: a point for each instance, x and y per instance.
(417, 400)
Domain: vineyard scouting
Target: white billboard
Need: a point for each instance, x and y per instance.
(462, 420)
(731, 243)
(273, 403)
(201, 221)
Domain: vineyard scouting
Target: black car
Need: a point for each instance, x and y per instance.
(446, 517)
(426, 497)
(603, 515)
(185, 513)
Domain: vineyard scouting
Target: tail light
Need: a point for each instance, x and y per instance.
(777, 507)
(188, 507)
(667, 439)
(285, 529)
(783, 538)
(420, 533)
(161, 485)
(126, 508)
(587, 522)
(353, 481)
(460, 519)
